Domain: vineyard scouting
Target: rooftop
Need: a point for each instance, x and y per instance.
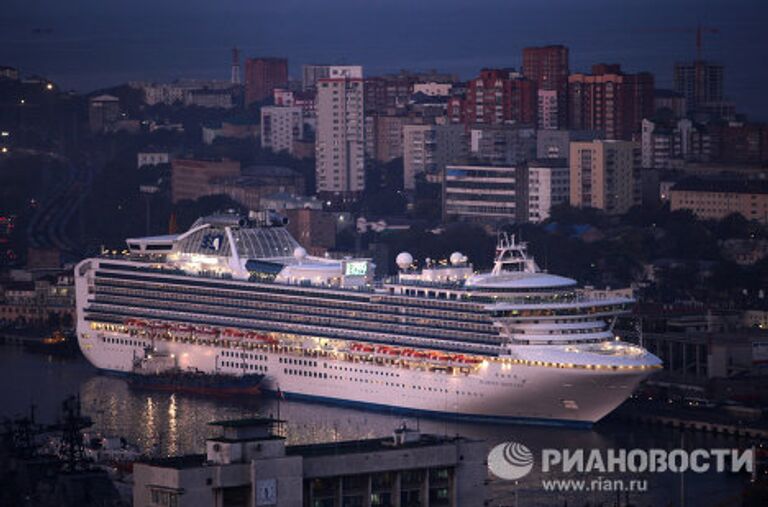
(365, 446)
(722, 186)
(179, 462)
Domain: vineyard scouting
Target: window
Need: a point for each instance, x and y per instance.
(164, 498)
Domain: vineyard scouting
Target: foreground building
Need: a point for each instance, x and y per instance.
(249, 464)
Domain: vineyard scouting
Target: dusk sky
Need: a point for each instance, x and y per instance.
(94, 44)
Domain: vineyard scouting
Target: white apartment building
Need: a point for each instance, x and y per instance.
(549, 184)
(280, 127)
(340, 139)
(668, 147)
(429, 148)
(433, 89)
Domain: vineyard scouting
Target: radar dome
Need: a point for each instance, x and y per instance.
(457, 258)
(299, 253)
(404, 260)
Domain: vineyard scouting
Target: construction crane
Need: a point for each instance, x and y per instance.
(699, 30)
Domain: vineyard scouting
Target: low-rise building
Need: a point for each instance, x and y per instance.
(190, 178)
(485, 193)
(256, 182)
(249, 464)
(103, 112)
(717, 198)
(47, 300)
(314, 229)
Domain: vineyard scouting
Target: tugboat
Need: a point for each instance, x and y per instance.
(161, 372)
(57, 343)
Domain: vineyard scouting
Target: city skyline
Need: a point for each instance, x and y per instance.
(382, 38)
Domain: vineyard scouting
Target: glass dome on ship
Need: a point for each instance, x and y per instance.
(237, 295)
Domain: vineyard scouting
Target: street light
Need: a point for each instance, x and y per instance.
(49, 86)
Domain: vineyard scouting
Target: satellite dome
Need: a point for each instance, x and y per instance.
(457, 258)
(404, 260)
(299, 253)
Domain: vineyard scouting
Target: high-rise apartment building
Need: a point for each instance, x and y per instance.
(262, 76)
(500, 96)
(547, 67)
(700, 82)
(609, 101)
(384, 136)
(669, 146)
(549, 184)
(429, 148)
(280, 127)
(340, 138)
(549, 110)
(604, 175)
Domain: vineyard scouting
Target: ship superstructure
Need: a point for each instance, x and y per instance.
(238, 295)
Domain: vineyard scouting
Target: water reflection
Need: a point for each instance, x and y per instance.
(165, 424)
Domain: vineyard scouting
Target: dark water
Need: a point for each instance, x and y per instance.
(92, 43)
(169, 424)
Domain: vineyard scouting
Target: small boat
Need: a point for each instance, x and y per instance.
(160, 371)
(197, 382)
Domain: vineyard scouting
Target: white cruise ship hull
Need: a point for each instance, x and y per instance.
(532, 394)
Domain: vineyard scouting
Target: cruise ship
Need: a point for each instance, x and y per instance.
(237, 295)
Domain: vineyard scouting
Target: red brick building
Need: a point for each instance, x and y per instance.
(262, 76)
(609, 101)
(500, 96)
(548, 68)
